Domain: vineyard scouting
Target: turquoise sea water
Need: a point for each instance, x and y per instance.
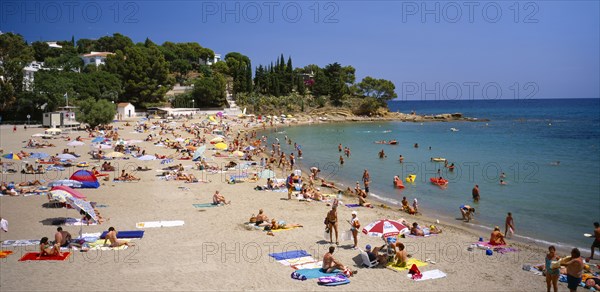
(552, 203)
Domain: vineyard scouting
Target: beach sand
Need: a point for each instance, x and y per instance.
(214, 251)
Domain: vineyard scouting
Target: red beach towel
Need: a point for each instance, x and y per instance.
(32, 256)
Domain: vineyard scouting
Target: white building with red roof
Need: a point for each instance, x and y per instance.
(96, 58)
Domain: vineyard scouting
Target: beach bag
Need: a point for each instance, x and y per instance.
(414, 271)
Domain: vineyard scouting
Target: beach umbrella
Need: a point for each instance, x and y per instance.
(115, 154)
(69, 190)
(267, 173)
(216, 140)
(238, 153)
(220, 114)
(66, 156)
(147, 157)
(249, 148)
(53, 131)
(59, 195)
(11, 156)
(75, 143)
(39, 155)
(212, 119)
(81, 205)
(98, 140)
(221, 146)
(66, 182)
(384, 228)
(198, 153)
(87, 179)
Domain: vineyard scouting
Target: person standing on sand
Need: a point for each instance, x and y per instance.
(290, 185)
(574, 270)
(332, 224)
(596, 243)
(551, 274)
(509, 225)
(475, 193)
(355, 227)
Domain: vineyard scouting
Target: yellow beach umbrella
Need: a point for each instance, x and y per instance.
(217, 140)
(221, 146)
(238, 153)
(212, 119)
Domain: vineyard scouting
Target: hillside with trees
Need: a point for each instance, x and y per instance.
(142, 73)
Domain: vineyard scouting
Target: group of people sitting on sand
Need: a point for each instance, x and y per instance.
(412, 210)
(32, 143)
(29, 169)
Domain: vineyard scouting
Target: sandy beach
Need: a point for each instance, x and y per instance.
(213, 250)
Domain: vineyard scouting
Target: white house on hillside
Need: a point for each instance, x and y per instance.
(125, 110)
(54, 45)
(96, 58)
(209, 62)
(29, 73)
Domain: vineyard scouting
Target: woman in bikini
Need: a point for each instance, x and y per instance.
(48, 250)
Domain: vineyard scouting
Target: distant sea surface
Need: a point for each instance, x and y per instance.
(524, 139)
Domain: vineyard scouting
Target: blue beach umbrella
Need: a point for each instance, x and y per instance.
(198, 153)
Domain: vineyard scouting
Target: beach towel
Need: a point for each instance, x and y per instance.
(77, 222)
(21, 242)
(282, 229)
(429, 275)
(315, 273)
(298, 261)
(155, 224)
(126, 234)
(205, 205)
(312, 265)
(99, 245)
(487, 245)
(5, 253)
(333, 280)
(353, 205)
(289, 254)
(503, 250)
(415, 236)
(32, 256)
(409, 264)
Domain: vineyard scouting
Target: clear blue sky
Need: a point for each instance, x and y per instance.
(554, 44)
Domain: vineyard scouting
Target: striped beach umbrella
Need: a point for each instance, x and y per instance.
(384, 228)
(11, 156)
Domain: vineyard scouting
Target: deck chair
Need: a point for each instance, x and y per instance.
(365, 258)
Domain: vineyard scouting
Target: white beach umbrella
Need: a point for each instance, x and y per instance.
(75, 143)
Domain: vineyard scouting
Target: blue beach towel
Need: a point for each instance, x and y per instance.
(315, 273)
(126, 234)
(353, 205)
(206, 205)
(292, 254)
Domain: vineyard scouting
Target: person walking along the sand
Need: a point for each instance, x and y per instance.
(509, 225)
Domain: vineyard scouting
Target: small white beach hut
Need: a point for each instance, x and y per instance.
(125, 110)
